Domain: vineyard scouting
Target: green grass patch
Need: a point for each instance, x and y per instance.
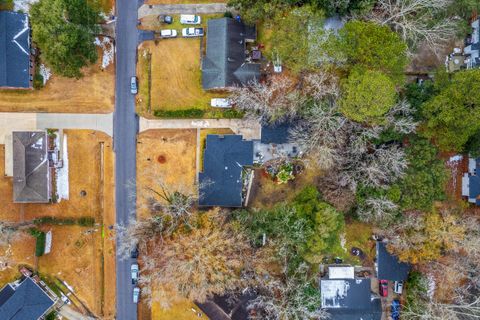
(82, 221)
(40, 237)
(6, 4)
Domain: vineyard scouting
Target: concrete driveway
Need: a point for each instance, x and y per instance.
(250, 130)
(147, 10)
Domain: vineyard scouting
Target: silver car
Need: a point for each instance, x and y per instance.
(136, 294)
(133, 85)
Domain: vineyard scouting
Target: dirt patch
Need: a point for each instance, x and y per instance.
(161, 159)
(94, 93)
(457, 166)
(83, 257)
(178, 147)
(175, 76)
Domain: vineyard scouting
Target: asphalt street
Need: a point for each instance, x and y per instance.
(125, 127)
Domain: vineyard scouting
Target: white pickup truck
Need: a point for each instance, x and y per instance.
(192, 32)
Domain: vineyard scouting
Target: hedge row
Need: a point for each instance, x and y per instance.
(186, 113)
(83, 221)
(195, 113)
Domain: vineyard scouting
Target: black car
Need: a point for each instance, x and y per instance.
(166, 19)
(134, 253)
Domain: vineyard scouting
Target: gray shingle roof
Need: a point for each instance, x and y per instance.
(224, 63)
(30, 167)
(27, 302)
(14, 50)
(350, 299)
(474, 184)
(389, 267)
(221, 180)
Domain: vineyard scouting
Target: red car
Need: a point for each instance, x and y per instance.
(383, 288)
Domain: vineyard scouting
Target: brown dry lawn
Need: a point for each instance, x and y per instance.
(84, 261)
(178, 311)
(175, 74)
(94, 93)
(167, 156)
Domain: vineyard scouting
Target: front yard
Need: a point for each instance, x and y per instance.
(175, 76)
(93, 93)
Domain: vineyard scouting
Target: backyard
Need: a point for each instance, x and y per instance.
(175, 76)
(167, 156)
(82, 256)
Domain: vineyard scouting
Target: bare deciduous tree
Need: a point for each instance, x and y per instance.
(272, 101)
(195, 264)
(400, 117)
(380, 211)
(417, 21)
(287, 298)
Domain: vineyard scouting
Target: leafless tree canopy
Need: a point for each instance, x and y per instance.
(272, 101)
(287, 298)
(196, 263)
(379, 211)
(417, 21)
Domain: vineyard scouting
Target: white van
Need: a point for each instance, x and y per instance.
(190, 19)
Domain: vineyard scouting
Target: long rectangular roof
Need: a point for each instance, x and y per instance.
(224, 63)
(221, 181)
(14, 50)
(27, 302)
(30, 167)
(389, 266)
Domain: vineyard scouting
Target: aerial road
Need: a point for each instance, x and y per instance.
(125, 129)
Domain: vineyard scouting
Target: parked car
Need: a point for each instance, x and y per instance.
(192, 32)
(221, 103)
(134, 271)
(190, 19)
(134, 253)
(133, 85)
(383, 288)
(168, 33)
(395, 309)
(398, 287)
(136, 294)
(165, 19)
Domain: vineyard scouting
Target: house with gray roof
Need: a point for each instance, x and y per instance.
(226, 63)
(24, 301)
(222, 181)
(472, 50)
(471, 182)
(15, 58)
(31, 173)
(389, 267)
(345, 297)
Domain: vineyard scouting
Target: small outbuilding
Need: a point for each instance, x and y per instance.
(471, 182)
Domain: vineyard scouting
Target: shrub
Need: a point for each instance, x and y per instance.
(86, 221)
(185, 113)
